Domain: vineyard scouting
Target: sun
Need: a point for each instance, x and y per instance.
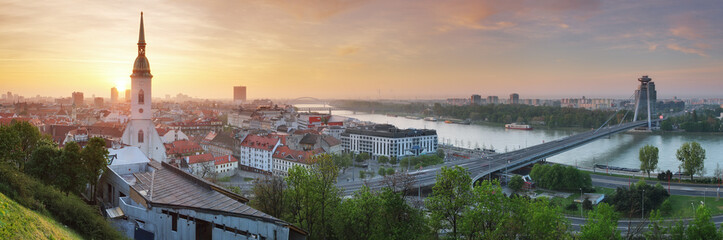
(121, 84)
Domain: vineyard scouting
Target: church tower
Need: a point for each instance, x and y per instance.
(140, 131)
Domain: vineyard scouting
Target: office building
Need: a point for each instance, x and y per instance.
(78, 99)
(387, 140)
(514, 98)
(239, 94)
(113, 95)
(493, 100)
(475, 99)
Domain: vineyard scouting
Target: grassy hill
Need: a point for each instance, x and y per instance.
(18, 222)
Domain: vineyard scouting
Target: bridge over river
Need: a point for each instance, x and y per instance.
(503, 162)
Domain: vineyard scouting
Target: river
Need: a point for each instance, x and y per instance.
(619, 150)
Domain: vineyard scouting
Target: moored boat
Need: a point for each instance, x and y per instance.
(518, 126)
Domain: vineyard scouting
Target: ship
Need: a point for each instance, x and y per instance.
(412, 117)
(431, 119)
(518, 126)
(448, 121)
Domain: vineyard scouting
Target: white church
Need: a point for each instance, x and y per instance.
(140, 131)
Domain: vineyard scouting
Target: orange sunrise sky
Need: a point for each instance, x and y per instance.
(365, 49)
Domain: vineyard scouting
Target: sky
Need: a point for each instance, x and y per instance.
(368, 49)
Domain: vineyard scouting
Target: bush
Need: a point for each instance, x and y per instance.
(664, 176)
(390, 171)
(587, 204)
(516, 183)
(666, 206)
(571, 207)
(421, 161)
(67, 209)
(382, 171)
(558, 177)
(628, 200)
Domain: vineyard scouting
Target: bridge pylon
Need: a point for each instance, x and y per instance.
(645, 95)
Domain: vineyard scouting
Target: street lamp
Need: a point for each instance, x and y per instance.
(581, 202)
(642, 205)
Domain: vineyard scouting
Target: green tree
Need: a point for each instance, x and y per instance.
(95, 159)
(390, 171)
(648, 156)
(545, 221)
(393, 160)
(44, 163)
(361, 157)
(692, 156)
(29, 137)
(656, 229)
(362, 174)
(487, 215)
(313, 197)
(343, 161)
(602, 223)
(516, 183)
(382, 171)
(702, 227)
(357, 218)
(451, 197)
(71, 176)
(440, 153)
(382, 159)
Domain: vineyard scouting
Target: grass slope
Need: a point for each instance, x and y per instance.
(18, 222)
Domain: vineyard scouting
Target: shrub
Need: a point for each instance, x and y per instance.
(558, 177)
(587, 204)
(571, 207)
(666, 206)
(67, 209)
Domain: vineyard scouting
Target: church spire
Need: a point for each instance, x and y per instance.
(141, 39)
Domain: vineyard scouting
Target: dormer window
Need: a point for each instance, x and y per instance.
(141, 97)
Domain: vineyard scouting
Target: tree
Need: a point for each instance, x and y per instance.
(656, 230)
(692, 156)
(587, 204)
(393, 160)
(382, 171)
(71, 176)
(44, 163)
(545, 221)
(390, 171)
(440, 153)
(362, 174)
(312, 196)
(29, 137)
(382, 159)
(648, 156)
(269, 195)
(95, 160)
(702, 227)
(361, 157)
(343, 161)
(516, 183)
(451, 196)
(486, 215)
(602, 223)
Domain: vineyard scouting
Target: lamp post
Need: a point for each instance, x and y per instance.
(642, 205)
(581, 202)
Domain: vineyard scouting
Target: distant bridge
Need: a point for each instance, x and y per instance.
(503, 162)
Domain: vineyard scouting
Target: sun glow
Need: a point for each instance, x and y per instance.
(121, 84)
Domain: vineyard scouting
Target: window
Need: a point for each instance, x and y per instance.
(174, 221)
(140, 136)
(141, 97)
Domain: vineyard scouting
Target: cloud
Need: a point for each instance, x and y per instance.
(348, 50)
(316, 10)
(689, 27)
(676, 47)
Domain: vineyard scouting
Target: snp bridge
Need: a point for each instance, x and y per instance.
(504, 162)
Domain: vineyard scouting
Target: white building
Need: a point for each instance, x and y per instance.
(206, 165)
(387, 140)
(140, 131)
(256, 151)
(285, 158)
(171, 135)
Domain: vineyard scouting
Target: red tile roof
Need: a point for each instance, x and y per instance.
(265, 143)
(306, 157)
(182, 147)
(224, 159)
(200, 158)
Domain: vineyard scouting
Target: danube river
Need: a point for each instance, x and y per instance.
(619, 150)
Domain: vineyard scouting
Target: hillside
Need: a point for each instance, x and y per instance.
(18, 222)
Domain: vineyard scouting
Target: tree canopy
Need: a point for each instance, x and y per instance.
(692, 156)
(648, 156)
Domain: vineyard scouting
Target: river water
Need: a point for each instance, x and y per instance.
(619, 150)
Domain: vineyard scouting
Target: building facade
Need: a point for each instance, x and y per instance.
(256, 153)
(239, 94)
(387, 140)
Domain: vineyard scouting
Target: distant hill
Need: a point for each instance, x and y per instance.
(18, 222)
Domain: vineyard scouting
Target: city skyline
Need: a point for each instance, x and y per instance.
(366, 49)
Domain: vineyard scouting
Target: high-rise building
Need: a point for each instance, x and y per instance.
(493, 100)
(140, 131)
(476, 99)
(514, 98)
(239, 94)
(78, 99)
(128, 95)
(98, 102)
(645, 98)
(113, 95)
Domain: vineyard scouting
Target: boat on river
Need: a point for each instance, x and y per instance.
(518, 126)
